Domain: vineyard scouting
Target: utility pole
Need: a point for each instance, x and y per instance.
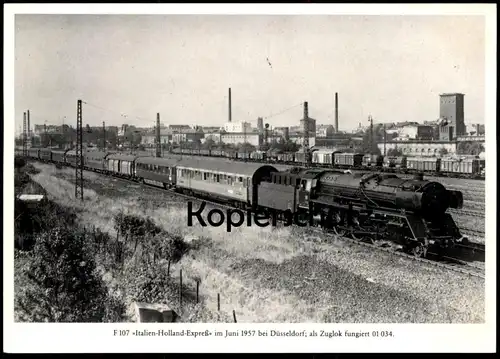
(79, 152)
(25, 149)
(158, 136)
(103, 136)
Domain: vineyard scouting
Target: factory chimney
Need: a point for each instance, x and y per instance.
(336, 112)
(306, 127)
(29, 129)
(230, 104)
(158, 136)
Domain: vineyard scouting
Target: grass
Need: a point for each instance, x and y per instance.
(285, 275)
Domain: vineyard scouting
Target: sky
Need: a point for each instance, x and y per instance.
(127, 68)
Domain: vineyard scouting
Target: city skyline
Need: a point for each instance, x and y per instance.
(182, 67)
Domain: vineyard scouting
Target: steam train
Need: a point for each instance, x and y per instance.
(364, 206)
(451, 166)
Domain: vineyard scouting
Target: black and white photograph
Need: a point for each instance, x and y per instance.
(251, 168)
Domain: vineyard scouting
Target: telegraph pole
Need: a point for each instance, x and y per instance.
(79, 152)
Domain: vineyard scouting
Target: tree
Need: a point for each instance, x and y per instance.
(378, 136)
(470, 148)
(64, 284)
(209, 144)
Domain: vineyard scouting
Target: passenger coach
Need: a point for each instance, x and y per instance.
(156, 171)
(234, 182)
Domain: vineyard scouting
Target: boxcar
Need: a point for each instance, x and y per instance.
(470, 166)
(288, 157)
(205, 152)
(119, 164)
(424, 164)
(348, 159)
(156, 171)
(258, 156)
(244, 155)
(323, 157)
(234, 182)
(216, 153)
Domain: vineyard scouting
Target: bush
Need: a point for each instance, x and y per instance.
(63, 283)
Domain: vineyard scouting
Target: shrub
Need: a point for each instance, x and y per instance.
(63, 283)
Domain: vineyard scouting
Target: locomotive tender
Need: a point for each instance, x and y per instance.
(365, 206)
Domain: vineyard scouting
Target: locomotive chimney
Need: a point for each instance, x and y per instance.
(336, 112)
(419, 176)
(230, 104)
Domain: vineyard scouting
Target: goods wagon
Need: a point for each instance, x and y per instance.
(470, 166)
(244, 155)
(424, 164)
(273, 154)
(122, 165)
(323, 157)
(258, 156)
(348, 159)
(216, 153)
(205, 152)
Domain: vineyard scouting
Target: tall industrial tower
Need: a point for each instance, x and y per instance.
(158, 137)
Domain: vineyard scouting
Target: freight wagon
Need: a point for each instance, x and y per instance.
(346, 160)
(423, 164)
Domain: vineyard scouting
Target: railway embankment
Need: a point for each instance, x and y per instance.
(318, 281)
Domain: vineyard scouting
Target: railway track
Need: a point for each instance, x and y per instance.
(448, 263)
(467, 212)
(472, 232)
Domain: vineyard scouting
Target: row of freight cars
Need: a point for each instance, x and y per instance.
(463, 166)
